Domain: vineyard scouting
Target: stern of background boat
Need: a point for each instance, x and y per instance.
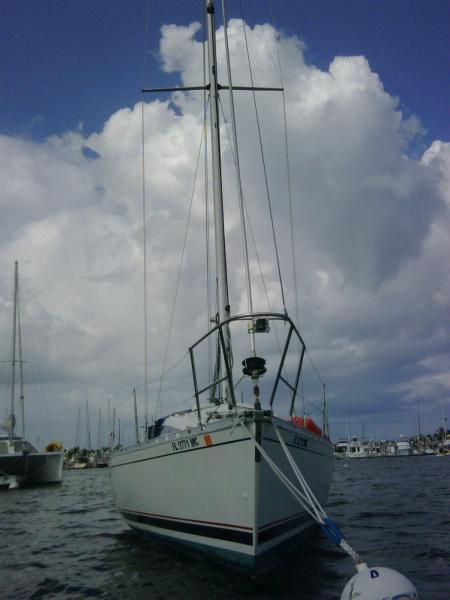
(45, 468)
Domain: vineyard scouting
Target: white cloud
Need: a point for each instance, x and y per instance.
(371, 223)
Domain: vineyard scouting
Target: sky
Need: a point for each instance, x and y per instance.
(366, 87)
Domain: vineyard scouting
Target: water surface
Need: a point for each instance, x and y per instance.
(69, 542)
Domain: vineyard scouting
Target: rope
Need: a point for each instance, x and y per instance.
(305, 496)
(298, 495)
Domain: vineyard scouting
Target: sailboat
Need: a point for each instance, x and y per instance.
(207, 476)
(21, 463)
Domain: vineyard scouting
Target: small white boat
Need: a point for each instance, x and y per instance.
(82, 462)
(403, 448)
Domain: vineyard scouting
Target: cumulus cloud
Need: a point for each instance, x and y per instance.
(371, 221)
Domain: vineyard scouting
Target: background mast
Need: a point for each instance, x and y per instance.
(13, 370)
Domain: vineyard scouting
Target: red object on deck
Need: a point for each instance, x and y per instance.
(310, 425)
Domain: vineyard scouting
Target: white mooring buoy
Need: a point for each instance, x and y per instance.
(379, 583)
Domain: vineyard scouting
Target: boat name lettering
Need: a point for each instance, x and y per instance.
(300, 441)
(185, 444)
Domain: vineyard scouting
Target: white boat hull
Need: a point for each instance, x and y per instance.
(212, 488)
(32, 468)
(50, 472)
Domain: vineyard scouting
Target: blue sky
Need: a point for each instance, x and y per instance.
(370, 180)
(73, 61)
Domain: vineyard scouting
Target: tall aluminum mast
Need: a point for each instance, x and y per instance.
(224, 308)
(22, 395)
(13, 370)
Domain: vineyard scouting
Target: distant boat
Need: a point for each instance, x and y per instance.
(205, 476)
(21, 463)
(101, 460)
(82, 462)
(351, 448)
(403, 448)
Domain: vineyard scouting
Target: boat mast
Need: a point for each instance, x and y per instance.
(444, 420)
(13, 370)
(77, 430)
(22, 394)
(88, 427)
(418, 417)
(99, 429)
(136, 423)
(219, 229)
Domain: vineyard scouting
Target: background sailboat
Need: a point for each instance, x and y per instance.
(21, 463)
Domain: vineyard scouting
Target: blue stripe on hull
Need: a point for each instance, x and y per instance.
(258, 563)
(206, 530)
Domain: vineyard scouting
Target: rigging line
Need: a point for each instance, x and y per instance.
(155, 380)
(158, 399)
(144, 227)
(34, 370)
(314, 367)
(174, 406)
(288, 172)
(251, 231)
(174, 365)
(269, 51)
(144, 60)
(289, 180)
(252, 234)
(144, 212)
(303, 397)
(168, 370)
(238, 176)
(263, 161)
(310, 403)
(291, 214)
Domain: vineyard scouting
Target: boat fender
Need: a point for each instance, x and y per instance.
(379, 583)
(54, 447)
